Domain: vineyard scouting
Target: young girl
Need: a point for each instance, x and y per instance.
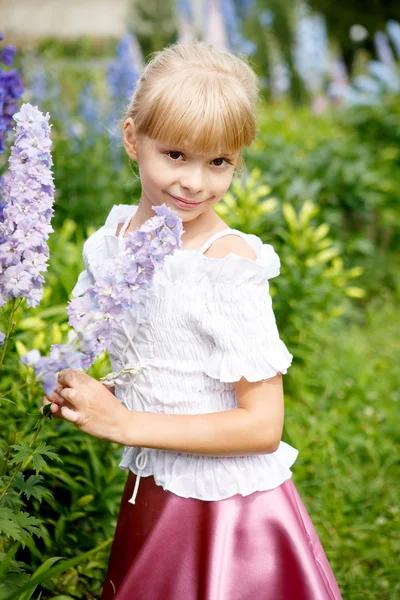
(216, 515)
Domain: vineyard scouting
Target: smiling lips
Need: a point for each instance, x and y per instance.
(184, 200)
(181, 203)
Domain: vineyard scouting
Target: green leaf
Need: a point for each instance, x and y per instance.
(43, 573)
(39, 571)
(290, 216)
(24, 452)
(7, 400)
(8, 525)
(43, 448)
(31, 487)
(18, 526)
(47, 411)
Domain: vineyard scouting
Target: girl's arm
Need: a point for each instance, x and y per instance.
(255, 427)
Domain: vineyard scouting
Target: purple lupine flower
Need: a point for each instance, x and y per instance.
(184, 8)
(368, 85)
(100, 311)
(61, 357)
(383, 50)
(43, 89)
(311, 49)
(91, 123)
(122, 76)
(393, 29)
(215, 31)
(2, 337)
(25, 224)
(246, 7)
(124, 72)
(388, 78)
(2, 199)
(7, 54)
(236, 40)
(11, 89)
(38, 84)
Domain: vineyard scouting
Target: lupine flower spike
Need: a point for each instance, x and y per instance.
(26, 210)
(95, 315)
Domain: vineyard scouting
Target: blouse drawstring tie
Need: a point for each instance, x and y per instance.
(133, 369)
(141, 462)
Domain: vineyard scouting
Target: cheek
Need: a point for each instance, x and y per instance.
(222, 184)
(156, 176)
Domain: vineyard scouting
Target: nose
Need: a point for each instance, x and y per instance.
(193, 180)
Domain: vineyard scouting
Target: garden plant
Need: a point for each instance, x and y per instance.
(323, 190)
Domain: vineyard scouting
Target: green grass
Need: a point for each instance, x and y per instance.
(342, 414)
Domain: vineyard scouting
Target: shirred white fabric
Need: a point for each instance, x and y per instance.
(205, 323)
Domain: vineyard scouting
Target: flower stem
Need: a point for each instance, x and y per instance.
(3, 395)
(10, 326)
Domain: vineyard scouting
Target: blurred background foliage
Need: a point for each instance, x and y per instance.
(322, 186)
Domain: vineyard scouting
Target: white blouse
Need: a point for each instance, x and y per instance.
(205, 323)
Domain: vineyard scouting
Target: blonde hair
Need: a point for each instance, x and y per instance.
(193, 96)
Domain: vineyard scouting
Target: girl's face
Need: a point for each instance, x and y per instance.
(171, 175)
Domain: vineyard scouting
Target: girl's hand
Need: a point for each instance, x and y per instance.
(87, 404)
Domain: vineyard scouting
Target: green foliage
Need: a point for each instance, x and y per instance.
(82, 48)
(324, 192)
(371, 14)
(275, 43)
(341, 413)
(67, 509)
(336, 162)
(18, 526)
(310, 259)
(89, 181)
(154, 23)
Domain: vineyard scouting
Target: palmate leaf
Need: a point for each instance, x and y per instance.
(23, 452)
(18, 526)
(8, 525)
(14, 566)
(12, 500)
(31, 487)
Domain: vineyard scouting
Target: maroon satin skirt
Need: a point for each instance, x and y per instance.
(257, 547)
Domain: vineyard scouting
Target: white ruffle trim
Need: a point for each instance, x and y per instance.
(233, 268)
(229, 367)
(213, 478)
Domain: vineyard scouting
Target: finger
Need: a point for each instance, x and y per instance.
(70, 415)
(55, 397)
(71, 395)
(66, 377)
(54, 408)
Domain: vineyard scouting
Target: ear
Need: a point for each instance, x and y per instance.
(130, 139)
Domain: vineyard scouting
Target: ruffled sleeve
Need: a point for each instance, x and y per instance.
(239, 321)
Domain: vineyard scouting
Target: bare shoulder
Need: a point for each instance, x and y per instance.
(231, 244)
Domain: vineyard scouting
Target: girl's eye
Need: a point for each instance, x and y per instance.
(173, 154)
(221, 162)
